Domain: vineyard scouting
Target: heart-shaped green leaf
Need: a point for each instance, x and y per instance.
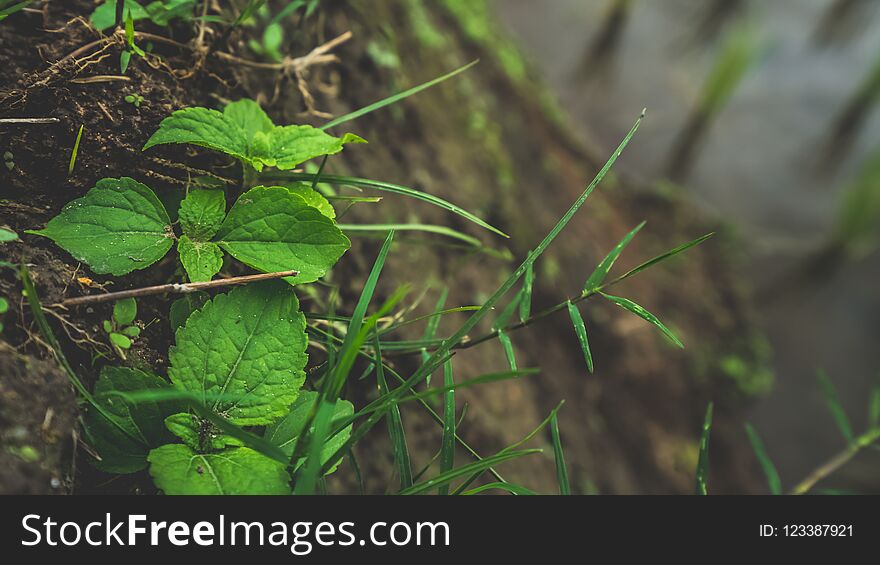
(272, 229)
(117, 227)
(244, 353)
(177, 469)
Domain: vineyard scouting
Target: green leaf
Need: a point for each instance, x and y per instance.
(177, 469)
(396, 430)
(120, 341)
(702, 476)
(7, 235)
(507, 345)
(4, 305)
(108, 327)
(834, 406)
(205, 128)
(561, 471)
(183, 307)
(248, 344)
(201, 213)
(117, 227)
(245, 132)
(123, 443)
(525, 303)
(627, 304)
(125, 311)
(664, 256)
(767, 465)
(447, 445)
(201, 259)
(292, 145)
(598, 276)
(286, 432)
(104, 16)
(199, 434)
(131, 331)
(312, 197)
(581, 330)
(247, 115)
(513, 489)
(271, 229)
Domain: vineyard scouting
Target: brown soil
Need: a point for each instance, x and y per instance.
(631, 427)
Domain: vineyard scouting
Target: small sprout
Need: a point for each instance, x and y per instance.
(121, 328)
(134, 99)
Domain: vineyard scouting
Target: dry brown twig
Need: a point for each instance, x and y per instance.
(173, 288)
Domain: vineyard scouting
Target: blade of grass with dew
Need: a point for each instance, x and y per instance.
(447, 443)
(525, 303)
(507, 345)
(702, 475)
(581, 330)
(334, 381)
(75, 151)
(396, 97)
(773, 481)
(561, 471)
(834, 406)
(427, 228)
(663, 256)
(470, 468)
(387, 187)
(396, 431)
(439, 355)
(512, 489)
(627, 304)
(598, 276)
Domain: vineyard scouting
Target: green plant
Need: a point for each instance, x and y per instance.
(120, 327)
(131, 48)
(244, 131)
(240, 357)
(272, 39)
(9, 160)
(160, 12)
(4, 307)
(9, 7)
(134, 99)
(120, 226)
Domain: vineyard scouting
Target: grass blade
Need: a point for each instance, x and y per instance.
(703, 461)
(75, 151)
(627, 304)
(396, 431)
(833, 402)
(767, 465)
(441, 353)
(319, 421)
(508, 349)
(396, 97)
(581, 330)
(428, 228)
(525, 303)
(513, 489)
(561, 471)
(470, 468)
(664, 256)
(598, 276)
(387, 187)
(447, 444)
